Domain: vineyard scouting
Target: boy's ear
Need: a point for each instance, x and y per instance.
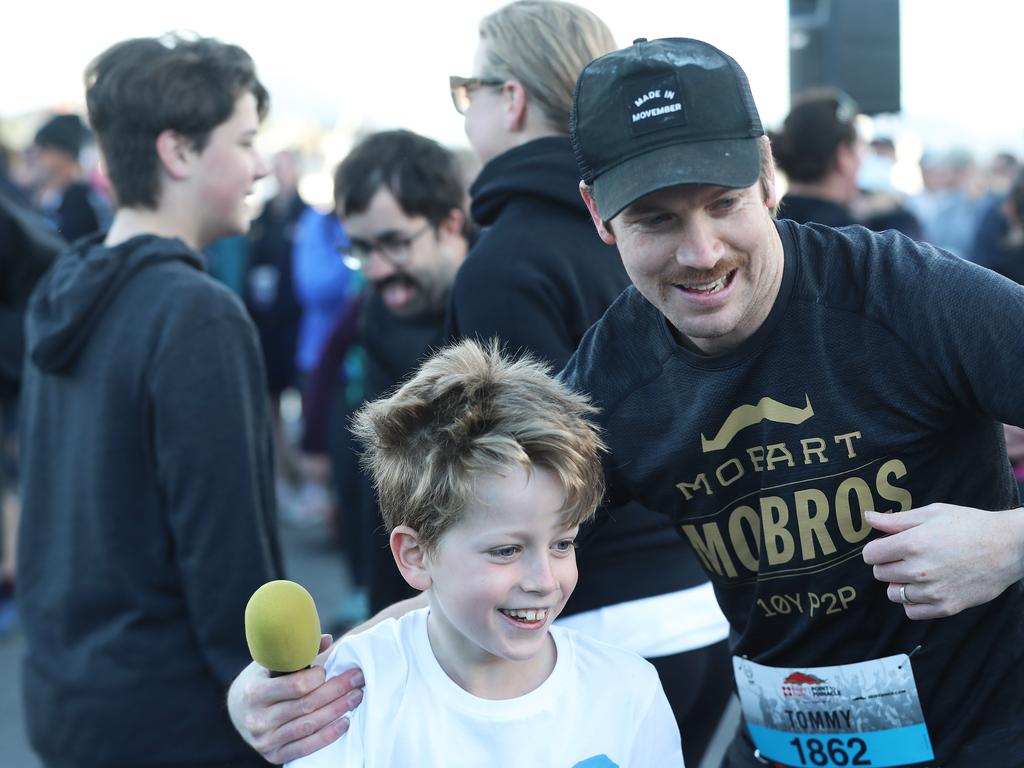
(175, 153)
(410, 557)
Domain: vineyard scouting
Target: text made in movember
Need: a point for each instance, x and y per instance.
(790, 527)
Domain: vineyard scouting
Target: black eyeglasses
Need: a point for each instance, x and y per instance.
(462, 87)
(395, 247)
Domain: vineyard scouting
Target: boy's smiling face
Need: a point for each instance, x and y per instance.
(499, 577)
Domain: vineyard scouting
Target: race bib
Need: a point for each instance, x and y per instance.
(865, 714)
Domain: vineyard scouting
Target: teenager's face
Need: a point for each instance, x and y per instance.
(709, 258)
(409, 261)
(501, 575)
(226, 171)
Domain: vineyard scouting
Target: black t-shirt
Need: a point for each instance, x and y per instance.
(878, 381)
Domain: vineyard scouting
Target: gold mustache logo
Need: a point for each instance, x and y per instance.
(745, 416)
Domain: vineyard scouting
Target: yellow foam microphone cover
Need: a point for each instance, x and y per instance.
(282, 627)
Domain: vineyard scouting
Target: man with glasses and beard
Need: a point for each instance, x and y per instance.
(401, 198)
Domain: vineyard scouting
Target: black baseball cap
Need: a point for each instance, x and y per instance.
(661, 113)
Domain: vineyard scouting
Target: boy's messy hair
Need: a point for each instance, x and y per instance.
(471, 411)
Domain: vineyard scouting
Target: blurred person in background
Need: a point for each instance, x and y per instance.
(538, 277)
(878, 204)
(1009, 259)
(324, 286)
(28, 246)
(948, 206)
(401, 198)
(1000, 173)
(994, 225)
(147, 470)
(65, 196)
(820, 152)
(270, 298)
(1009, 262)
(8, 185)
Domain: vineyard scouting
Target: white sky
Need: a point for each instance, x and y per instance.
(385, 63)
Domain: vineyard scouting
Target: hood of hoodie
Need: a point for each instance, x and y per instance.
(73, 295)
(543, 168)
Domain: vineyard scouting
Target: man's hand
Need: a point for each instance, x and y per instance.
(288, 717)
(945, 557)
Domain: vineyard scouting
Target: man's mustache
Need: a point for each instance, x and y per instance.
(399, 278)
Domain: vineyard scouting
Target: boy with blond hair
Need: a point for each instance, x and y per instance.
(485, 468)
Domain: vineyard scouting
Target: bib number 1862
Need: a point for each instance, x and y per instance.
(831, 752)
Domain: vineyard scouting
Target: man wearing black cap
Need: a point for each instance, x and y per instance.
(790, 393)
(786, 393)
(68, 200)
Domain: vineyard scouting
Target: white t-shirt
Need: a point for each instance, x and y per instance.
(601, 707)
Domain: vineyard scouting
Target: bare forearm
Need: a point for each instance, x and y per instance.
(393, 611)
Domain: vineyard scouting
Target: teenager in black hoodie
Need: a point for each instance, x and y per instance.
(146, 444)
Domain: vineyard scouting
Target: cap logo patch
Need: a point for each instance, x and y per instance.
(654, 103)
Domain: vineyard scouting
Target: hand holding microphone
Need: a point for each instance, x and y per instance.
(294, 711)
(282, 627)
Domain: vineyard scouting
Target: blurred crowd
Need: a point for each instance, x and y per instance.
(425, 243)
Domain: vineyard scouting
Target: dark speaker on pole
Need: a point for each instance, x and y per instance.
(853, 45)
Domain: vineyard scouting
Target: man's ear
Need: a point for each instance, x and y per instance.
(603, 229)
(175, 153)
(514, 103)
(410, 557)
(768, 188)
(453, 223)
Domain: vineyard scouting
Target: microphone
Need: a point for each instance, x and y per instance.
(282, 627)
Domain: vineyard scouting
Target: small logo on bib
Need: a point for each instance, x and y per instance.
(800, 685)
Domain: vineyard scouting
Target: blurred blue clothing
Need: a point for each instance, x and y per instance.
(948, 219)
(323, 284)
(269, 295)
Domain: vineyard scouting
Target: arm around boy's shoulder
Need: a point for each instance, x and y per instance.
(381, 654)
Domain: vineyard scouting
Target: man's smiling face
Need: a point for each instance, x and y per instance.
(709, 258)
